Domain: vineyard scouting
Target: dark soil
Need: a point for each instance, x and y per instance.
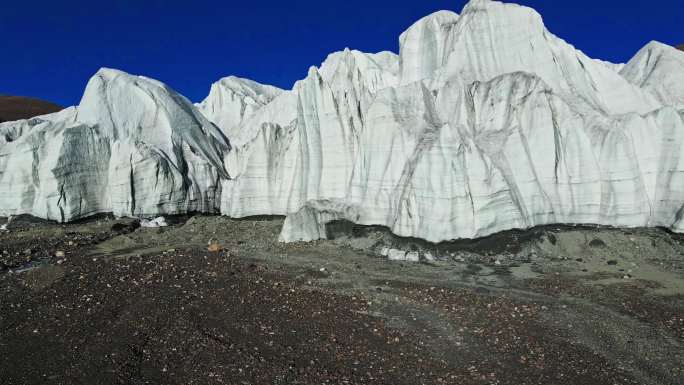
(106, 302)
(19, 107)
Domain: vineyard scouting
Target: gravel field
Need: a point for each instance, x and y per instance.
(213, 300)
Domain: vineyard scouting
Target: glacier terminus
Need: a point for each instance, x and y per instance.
(485, 121)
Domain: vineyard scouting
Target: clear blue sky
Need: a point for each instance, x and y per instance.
(50, 48)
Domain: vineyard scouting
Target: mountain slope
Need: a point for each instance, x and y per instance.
(19, 107)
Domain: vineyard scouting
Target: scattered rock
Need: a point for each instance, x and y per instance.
(320, 320)
(552, 238)
(125, 228)
(597, 243)
(214, 247)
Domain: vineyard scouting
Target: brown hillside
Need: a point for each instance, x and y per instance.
(681, 46)
(19, 107)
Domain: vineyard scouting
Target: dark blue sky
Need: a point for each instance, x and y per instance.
(50, 48)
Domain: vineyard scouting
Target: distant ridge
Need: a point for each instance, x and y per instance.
(681, 46)
(19, 107)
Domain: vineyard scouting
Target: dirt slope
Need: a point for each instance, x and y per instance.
(19, 107)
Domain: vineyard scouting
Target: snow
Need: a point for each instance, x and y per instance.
(396, 255)
(4, 227)
(412, 256)
(152, 223)
(401, 255)
(484, 122)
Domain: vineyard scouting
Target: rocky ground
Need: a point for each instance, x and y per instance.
(211, 300)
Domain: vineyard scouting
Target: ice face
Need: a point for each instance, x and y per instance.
(484, 122)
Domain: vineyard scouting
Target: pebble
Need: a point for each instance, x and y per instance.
(214, 247)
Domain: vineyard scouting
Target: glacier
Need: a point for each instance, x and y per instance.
(132, 147)
(485, 121)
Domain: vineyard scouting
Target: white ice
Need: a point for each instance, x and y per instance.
(485, 121)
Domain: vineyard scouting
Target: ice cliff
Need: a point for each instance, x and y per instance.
(132, 147)
(485, 121)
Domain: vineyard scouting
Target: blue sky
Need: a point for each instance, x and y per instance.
(51, 48)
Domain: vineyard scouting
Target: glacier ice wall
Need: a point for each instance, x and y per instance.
(484, 122)
(132, 147)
